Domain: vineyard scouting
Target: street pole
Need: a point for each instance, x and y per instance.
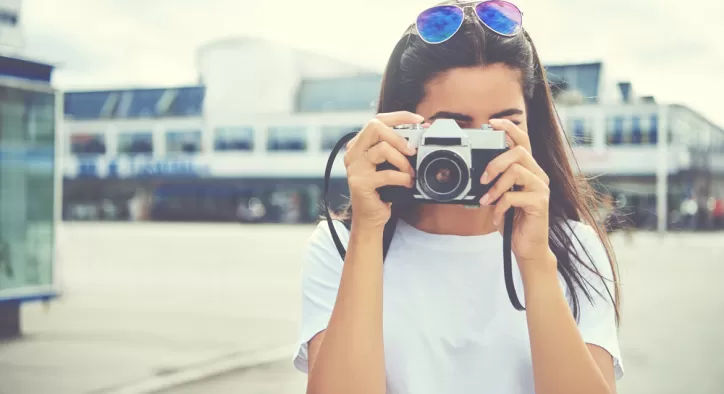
(662, 168)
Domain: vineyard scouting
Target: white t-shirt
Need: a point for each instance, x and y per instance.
(449, 326)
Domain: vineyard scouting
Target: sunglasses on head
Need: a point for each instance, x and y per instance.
(437, 24)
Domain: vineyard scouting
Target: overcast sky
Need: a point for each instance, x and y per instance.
(668, 48)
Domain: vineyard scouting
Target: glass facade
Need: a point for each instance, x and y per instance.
(134, 103)
(27, 191)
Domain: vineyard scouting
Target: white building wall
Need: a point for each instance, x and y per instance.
(248, 76)
(599, 158)
(254, 76)
(313, 65)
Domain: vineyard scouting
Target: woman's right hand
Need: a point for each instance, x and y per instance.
(375, 144)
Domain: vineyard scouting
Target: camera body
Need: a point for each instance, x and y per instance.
(448, 165)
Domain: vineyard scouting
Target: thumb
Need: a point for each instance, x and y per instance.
(500, 227)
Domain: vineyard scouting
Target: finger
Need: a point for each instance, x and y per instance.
(376, 131)
(392, 119)
(391, 178)
(384, 152)
(516, 155)
(514, 175)
(351, 142)
(350, 153)
(519, 137)
(530, 202)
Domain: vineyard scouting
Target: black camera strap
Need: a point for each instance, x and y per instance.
(507, 230)
(507, 259)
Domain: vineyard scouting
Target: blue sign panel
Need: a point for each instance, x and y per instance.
(169, 168)
(129, 167)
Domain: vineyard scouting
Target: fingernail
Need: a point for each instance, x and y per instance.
(508, 141)
(426, 125)
(484, 200)
(495, 120)
(484, 180)
(410, 149)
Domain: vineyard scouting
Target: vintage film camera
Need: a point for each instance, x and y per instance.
(448, 165)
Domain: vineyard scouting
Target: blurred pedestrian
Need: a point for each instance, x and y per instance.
(689, 210)
(717, 214)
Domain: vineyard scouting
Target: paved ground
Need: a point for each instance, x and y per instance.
(672, 332)
(144, 301)
(274, 378)
(148, 302)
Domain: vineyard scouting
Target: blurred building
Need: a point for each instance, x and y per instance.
(650, 157)
(251, 140)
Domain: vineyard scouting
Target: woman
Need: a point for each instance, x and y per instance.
(435, 317)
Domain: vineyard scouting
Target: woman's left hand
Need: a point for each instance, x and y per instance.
(518, 167)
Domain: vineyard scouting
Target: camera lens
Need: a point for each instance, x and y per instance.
(443, 175)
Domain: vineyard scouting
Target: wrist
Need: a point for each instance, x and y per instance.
(546, 265)
(361, 231)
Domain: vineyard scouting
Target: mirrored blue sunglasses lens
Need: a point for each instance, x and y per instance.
(500, 16)
(437, 24)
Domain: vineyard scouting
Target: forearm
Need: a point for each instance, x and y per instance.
(562, 363)
(351, 356)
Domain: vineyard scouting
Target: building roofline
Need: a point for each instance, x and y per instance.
(235, 40)
(136, 89)
(26, 59)
(578, 64)
(699, 115)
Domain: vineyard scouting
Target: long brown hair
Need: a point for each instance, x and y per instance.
(413, 63)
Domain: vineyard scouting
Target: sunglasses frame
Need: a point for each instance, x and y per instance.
(464, 6)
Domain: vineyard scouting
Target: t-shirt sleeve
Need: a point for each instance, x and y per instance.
(597, 318)
(321, 274)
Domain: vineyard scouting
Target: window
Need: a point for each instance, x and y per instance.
(614, 130)
(287, 138)
(619, 137)
(183, 141)
(234, 139)
(356, 93)
(332, 134)
(135, 143)
(87, 144)
(654, 129)
(40, 116)
(8, 18)
(636, 135)
(581, 135)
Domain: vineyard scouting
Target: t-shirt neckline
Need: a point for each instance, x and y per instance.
(448, 242)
